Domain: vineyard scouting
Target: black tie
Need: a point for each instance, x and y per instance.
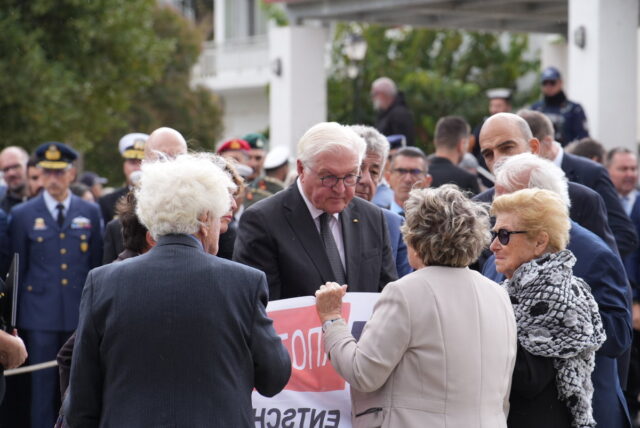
(331, 249)
(60, 218)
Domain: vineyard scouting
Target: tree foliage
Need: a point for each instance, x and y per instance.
(195, 112)
(440, 72)
(69, 67)
(88, 72)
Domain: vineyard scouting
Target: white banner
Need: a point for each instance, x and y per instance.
(316, 396)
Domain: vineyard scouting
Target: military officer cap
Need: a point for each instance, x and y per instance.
(131, 146)
(501, 93)
(276, 157)
(396, 141)
(55, 155)
(256, 141)
(235, 144)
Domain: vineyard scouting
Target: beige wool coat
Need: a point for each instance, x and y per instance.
(438, 351)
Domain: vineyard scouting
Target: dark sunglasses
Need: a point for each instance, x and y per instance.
(504, 235)
(549, 83)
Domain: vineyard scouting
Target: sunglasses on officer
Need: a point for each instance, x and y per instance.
(504, 235)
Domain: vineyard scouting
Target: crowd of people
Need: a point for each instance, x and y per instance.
(506, 262)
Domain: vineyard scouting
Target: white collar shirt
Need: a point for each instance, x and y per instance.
(334, 222)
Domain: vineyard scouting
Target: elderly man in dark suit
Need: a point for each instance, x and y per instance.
(600, 267)
(176, 336)
(316, 231)
(587, 173)
(370, 175)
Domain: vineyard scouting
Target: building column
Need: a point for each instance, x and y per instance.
(298, 90)
(603, 73)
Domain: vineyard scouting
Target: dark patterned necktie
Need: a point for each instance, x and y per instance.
(331, 249)
(60, 218)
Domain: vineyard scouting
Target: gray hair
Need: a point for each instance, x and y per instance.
(386, 85)
(376, 142)
(174, 194)
(444, 227)
(527, 171)
(329, 137)
(22, 152)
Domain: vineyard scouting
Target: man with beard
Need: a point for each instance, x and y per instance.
(394, 117)
(13, 164)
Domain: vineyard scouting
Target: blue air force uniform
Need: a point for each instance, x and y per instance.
(54, 260)
(54, 263)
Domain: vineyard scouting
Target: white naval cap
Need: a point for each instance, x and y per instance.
(276, 157)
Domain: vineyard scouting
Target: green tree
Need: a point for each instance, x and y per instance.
(69, 68)
(195, 112)
(440, 72)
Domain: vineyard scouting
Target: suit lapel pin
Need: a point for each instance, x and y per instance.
(355, 220)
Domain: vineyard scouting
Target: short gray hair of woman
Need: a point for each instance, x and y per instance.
(376, 142)
(444, 227)
(173, 195)
(329, 137)
(528, 171)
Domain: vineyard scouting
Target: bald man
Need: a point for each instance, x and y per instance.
(162, 143)
(13, 164)
(507, 134)
(393, 115)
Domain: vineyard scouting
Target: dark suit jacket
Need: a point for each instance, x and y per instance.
(398, 246)
(602, 269)
(5, 245)
(174, 337)
(596, 177)
(587, 209)
(632, 260)
(444, 171)
(278, 236)
(113, 241)
(108, 203)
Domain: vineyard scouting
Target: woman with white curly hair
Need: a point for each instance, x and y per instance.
(559, 326)
(440, 346)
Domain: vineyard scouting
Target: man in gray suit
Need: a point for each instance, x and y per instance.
(316, 231)
(175, 337)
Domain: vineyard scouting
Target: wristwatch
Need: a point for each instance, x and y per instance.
(327, 323)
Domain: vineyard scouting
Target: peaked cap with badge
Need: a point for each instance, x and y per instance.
(55, 155)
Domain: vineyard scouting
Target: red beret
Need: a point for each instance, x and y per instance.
(235, 144)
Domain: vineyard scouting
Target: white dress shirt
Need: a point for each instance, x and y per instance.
(52, 203)
(334, 223)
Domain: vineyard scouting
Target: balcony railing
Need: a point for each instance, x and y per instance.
(233, 56)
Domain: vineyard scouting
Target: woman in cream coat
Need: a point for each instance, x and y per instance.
(440, 346)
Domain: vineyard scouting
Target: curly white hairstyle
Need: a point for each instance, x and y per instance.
(174, 194)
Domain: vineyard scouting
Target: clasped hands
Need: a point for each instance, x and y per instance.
(329, 301)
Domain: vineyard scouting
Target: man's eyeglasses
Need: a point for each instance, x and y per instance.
(504, 235)
(8, 168)
(349, 180)
(414, 172)
(549, 83)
